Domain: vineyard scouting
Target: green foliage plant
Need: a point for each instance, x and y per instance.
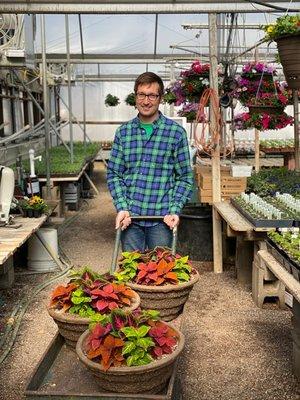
(88, 293)
(155, 267)
(130, 99)
(289, 242)
(287, 25)
(111, 100)
(130, 339)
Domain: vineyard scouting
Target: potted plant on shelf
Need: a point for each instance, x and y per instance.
(111, 101)
(162, 280)
(286, 33)
(131, 353)
(130, 99)
(33, 207)
(87, 296)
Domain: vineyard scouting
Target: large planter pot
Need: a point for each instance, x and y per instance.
(71, 326)
(167, 299)
(259, 109)
(150, 378)
(289, 54)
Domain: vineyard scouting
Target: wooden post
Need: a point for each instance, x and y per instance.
(296, 129)
(216, 176)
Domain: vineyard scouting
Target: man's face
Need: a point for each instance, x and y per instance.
(147, 100)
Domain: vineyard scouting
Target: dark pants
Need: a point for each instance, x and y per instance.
(141, 238)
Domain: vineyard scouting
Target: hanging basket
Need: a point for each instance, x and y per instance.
(289, 54)
(260, 109)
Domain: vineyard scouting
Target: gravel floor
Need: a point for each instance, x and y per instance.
(234, 351)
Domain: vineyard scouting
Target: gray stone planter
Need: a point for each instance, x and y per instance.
(167, 299)
(71, 326)
(150, 378)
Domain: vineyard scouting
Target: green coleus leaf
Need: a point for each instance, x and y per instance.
(128, 348)
(183, 276)
(130, 332)
(145, 360)
(151, 314)
(130, 361)
(183, 260)
(138, 353)
(142, 331)
(145, 342)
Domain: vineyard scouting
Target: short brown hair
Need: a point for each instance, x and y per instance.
(149, 77)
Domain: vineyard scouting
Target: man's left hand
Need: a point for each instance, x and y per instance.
(171, 220)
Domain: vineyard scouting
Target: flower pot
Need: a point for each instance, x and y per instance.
(36, 213)
(71, 326)
(167, 299)
(150, 378)
(289, 54)
(29, 213)
(259, 109)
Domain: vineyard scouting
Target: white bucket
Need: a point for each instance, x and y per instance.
(39, 259)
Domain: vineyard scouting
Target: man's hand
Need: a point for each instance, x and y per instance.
(123, 220)
(171, 220)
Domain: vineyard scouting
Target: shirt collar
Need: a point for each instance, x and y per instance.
(157, 123)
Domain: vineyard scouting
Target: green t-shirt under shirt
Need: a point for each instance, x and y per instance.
(148, 129)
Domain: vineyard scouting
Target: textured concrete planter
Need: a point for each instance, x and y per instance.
(150, 378)
(289, 54)
(167, 299)
(71, 326)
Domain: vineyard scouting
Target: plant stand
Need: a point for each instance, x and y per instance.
(60, 376)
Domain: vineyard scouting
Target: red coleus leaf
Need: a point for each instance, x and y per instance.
(112, 305)
(172, 276)
(95, 343)
(171, 342)
(63, 291)
(157, 351)
(153, 276)
(108, 288)
(166, 349)
(101, 305)
(141, 275)
(161, 340)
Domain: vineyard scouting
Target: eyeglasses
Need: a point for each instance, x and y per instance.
(151, 96)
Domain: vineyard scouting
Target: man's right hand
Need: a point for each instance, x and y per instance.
(123, 220)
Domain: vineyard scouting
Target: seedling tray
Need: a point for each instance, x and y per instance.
(282, 257)
(60, 376)
(263, 223)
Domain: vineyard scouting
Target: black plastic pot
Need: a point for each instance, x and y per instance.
(195, 236)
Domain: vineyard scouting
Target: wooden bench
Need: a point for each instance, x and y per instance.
(10, 240)
(235, 225)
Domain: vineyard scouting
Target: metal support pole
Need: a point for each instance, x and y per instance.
(73, 116)
(69, 87)
(42, 111)
(296, 129)
(84, 106)
(46, 105)
(91, 182)
(155, 35)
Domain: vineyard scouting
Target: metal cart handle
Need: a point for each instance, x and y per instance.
(139, 218)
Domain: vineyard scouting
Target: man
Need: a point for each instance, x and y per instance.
(149, 171)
